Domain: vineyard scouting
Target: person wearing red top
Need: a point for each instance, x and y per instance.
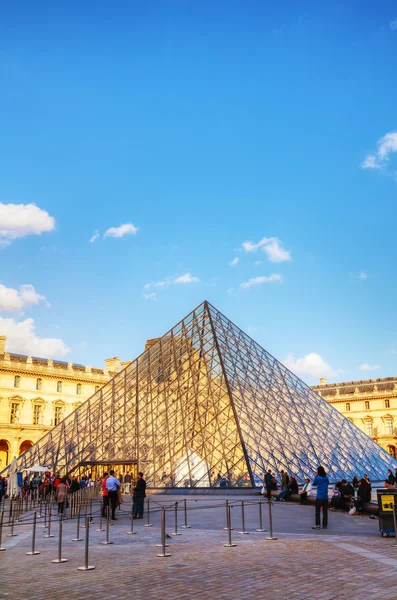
(105, 495)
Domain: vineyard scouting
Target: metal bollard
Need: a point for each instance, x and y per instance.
(229, 528)
(91, 519)
(395, 525)
(85, 514)
(78, 538)
(107, 528)
(49, 534)
(86, 566)
(164, 554)
(271, 537)
(131, 531)
(185, 526)
(176, 520)
(33, 550)
(243, 532)
(261, 530)
(12, 534)
(1, 531)
(60, 559)
(40, 503)
(44, 525)
(148, 524)
(226, 528)
(10, 511)
(100, 528)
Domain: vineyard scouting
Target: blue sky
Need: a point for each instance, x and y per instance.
(200, 126)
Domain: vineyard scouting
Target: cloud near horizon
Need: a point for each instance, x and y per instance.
(272, 247)
(260, 280)
(312, 364)
(367, 367)
(182, 279)
(22, 339)
(119, 232)
(21, 220)
(12, 300)
(387, 145)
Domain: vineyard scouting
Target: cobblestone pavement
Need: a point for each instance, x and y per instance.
(349, 560)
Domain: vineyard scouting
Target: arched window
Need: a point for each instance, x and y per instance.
(39, 383)
(59, 386)
(387, 403)
(17, 381)
(4, 450)
(388, 425)
(366, 405)
(392, 451)
(78, 389)
(347, 406)
(25, 446)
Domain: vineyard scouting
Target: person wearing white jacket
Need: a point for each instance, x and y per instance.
(306, 491)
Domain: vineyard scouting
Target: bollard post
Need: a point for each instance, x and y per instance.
(12, 534)
(395, 525)
(226, 528)
(1, 530)
(131, 531)
(40, 503)
(185, 526)
(10, 511)
(44, 525)
(85, 514)
(100, 528)
(243, 532)
(86, 566)
(60, 559)
(148, 524)
(176, 520)
(107, 527)
(91, 519)
(78, 538)
(33, 550)
(271, 537)
(261, 530)
(164, 554)
(229, 528)
(49, 534)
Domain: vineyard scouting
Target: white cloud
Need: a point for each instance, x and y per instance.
(234, 262)
(151, 296)
(22, 339)
(20, 220)
(363, 275)
(386, 145)
(118, 232)
(393, 25)
(94, 237)
(182, 279)
(367, 367)
(258, 262)
(312, 364)
(12, 300)
(256, 281)
(272, 247)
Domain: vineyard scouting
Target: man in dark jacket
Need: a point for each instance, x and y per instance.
(346, 494)
(139, 496)
(268, 484)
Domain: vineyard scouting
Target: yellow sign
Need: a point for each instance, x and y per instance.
(387, 502)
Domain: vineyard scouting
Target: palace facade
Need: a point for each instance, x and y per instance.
(370, 404)
(37, 393)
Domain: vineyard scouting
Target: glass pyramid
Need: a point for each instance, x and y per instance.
(207, 406)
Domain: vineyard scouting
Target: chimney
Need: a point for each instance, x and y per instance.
(112, 364)
(323, 381)
(125, 364)
(3, 339)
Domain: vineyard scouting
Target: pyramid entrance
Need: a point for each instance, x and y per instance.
(206, 406)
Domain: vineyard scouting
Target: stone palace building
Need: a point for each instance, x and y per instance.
(370, 404)
(37, 393)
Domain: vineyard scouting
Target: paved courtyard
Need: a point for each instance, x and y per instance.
(348, 560)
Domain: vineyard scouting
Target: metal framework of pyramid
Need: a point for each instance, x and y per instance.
(206, 404)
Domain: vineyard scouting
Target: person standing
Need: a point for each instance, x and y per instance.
(112, 486)
(139, 496)
(321, 481)
(284, 480)
(61, 495)
(127, 483)
(268, 484)
(105, 495)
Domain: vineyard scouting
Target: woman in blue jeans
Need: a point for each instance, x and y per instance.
(321, 481)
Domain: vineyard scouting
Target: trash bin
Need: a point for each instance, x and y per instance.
(387, 499)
